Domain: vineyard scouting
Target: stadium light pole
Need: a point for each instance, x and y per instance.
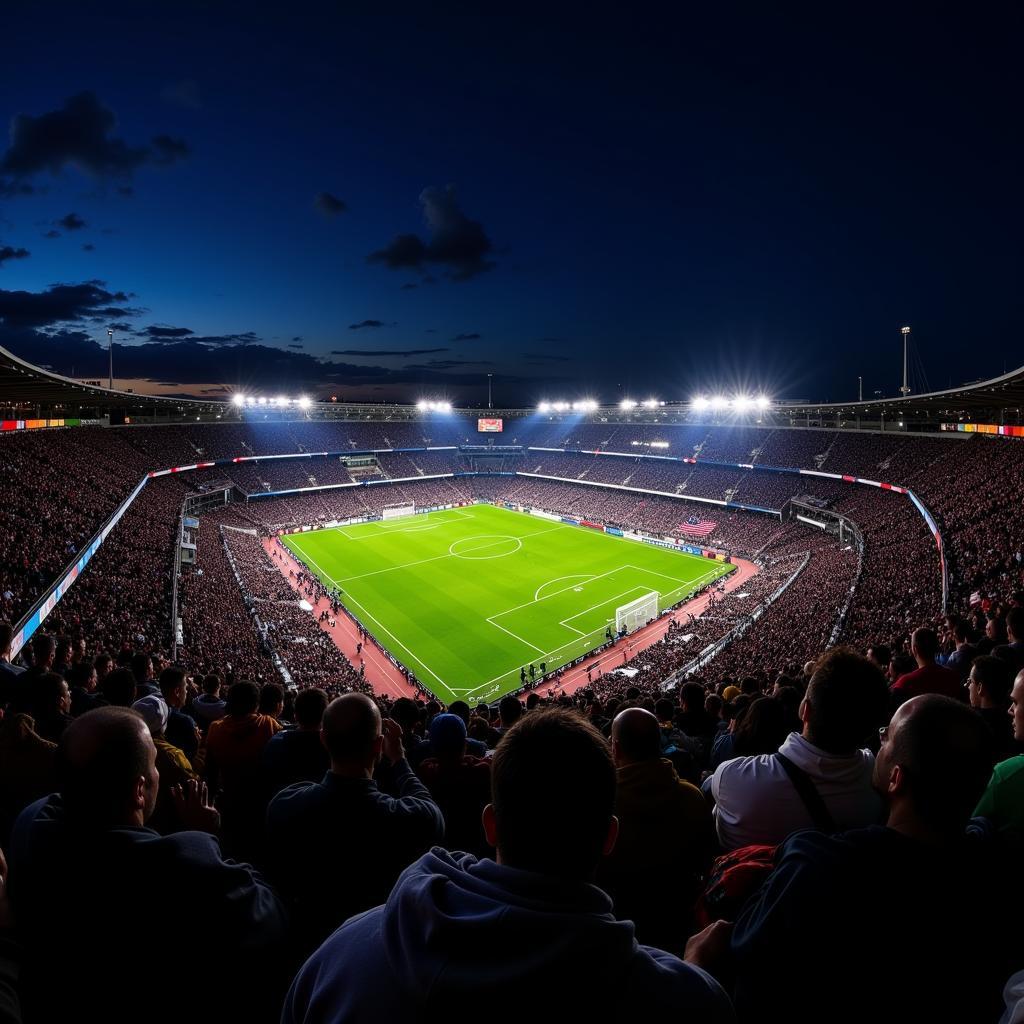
(860, 389)
(110, 352)
(489, 376)
(905, 390)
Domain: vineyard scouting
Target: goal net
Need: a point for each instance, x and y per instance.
(408, 508)
(635, 614)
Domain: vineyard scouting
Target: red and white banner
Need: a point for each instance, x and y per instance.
(489, 426)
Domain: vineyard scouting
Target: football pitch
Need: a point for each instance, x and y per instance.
(466, 597)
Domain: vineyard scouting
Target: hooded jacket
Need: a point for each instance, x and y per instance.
(460, 935)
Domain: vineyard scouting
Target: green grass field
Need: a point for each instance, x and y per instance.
(465, 597)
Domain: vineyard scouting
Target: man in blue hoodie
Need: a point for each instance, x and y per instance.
(526, 937)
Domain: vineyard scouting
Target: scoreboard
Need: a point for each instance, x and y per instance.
(489, 426)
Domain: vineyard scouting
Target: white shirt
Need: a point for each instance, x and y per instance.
(756, 802)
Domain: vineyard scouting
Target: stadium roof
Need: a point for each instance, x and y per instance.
(24, 384)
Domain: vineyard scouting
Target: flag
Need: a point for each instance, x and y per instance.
(697, 527)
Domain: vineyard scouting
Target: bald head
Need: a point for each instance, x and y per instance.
(107, 765)
(351, 729)
(636, 736)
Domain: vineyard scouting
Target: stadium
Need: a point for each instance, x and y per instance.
(444, 568)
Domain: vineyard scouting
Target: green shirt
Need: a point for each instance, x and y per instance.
(1003, 801)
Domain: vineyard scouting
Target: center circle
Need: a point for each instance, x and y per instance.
(485, 546)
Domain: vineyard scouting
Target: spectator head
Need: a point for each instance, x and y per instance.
(460, 708)
(103, 664)
(509, 711)
(351, 732)
(750, 685)
(764, 727)
(243, 699)
(141, 665)
(691, 697)
(154, 712)
(994, 629)
(6, 639)
(271, 700)
(879, 655)
(924, 645)
(1017, 599)
(933, 765)
(118, 688)
(532, 700)
(961, 631)
(846, 701)
(1017, 707)
(552, 796)
(713, 705)
(44, 650)
(447, 737)
(989, 683)
(808, 669)
(730, 693)
(636, 736)
(665, 710)
(211, 685)
(107, 768)
(1015, 625)
(406, 713)
(173, 686)
(310, 706)
(49, 696)
(62, 652)
(83, 676)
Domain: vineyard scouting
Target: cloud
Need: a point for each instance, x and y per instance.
(183, 94)
(466, 337)
(292, 344)
(80, 135)
(168, 150)
(156, 332)
(456, 243)
(88, 247)
(385, 352)
(52, 234)
(8, 252)
(448, 364)
(329, 205)
(122, 328)
(71, 222)
(298, 337)
(365, 323)
(60, 304)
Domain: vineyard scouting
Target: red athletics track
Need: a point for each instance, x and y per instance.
(387, 680)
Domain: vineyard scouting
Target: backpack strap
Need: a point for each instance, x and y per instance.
(808, 793)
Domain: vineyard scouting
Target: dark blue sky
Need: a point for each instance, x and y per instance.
(730, 198)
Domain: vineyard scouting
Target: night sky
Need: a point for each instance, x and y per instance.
(579, 203)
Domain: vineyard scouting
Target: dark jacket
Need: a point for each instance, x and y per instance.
(871, 925)
(293, 755)
(107, 892)
(335, 847)
(517, 946)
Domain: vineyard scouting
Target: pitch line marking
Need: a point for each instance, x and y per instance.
(579, 576)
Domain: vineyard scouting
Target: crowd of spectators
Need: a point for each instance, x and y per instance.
(725, 846)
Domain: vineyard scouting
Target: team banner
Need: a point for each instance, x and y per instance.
(489, 426)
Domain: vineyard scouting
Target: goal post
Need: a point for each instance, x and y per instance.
(406, 508)
(635, 614)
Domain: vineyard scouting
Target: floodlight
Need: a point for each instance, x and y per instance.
(650, 403)
(719, 402)
(741, 403)
(305, 402)
(238, 399)
(422, 406)
(544, 407)
(700, 403)
(763, 402)
(627, 403)
(262, 400)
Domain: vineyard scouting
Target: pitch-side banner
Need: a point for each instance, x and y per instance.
(489, 426)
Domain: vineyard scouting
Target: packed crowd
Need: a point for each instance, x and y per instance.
(360, 858)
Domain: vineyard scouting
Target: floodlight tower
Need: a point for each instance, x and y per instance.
(905, 331)
(110, 352)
